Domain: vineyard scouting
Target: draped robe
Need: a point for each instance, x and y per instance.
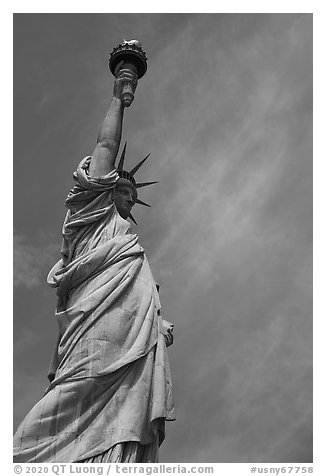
(111, 384)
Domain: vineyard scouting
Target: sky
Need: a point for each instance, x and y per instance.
(225, 109)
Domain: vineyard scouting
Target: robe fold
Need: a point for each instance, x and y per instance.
(110, 377)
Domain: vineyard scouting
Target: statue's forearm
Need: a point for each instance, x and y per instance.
(111, 128)
(109, 137)
(108, 141)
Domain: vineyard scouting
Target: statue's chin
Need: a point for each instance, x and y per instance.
(123, 212)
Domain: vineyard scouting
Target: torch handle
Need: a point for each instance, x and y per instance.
(128, 85)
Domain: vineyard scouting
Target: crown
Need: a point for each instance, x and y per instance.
(130, 176)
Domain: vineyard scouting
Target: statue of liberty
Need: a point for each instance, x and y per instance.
(110, 389)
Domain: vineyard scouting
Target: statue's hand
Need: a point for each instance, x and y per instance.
(168, 332)
(124, 76)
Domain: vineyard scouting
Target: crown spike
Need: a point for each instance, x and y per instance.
(144, 184)
(134, 170)
(122, 158)
(132, 218)
(142, 203)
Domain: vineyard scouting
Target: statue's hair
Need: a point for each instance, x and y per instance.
(126, 175)
(123, 174)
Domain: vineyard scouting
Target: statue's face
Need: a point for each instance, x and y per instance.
(125, 197)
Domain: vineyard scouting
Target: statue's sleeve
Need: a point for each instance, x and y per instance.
(90, 205)
(88, 188)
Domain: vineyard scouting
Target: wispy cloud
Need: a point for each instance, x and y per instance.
(30, 261)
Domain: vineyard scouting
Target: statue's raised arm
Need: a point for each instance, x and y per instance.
(128, 64)
(109, 136)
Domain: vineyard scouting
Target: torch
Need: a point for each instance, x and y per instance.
(128, 55)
